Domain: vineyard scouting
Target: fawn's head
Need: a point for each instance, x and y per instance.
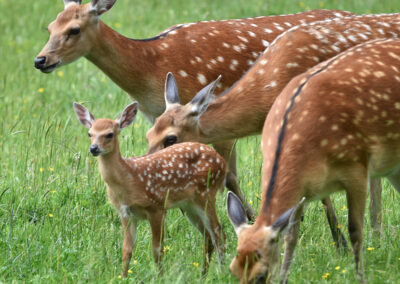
(258, 250)
(104, 132)
(179, 123)
(71, 33)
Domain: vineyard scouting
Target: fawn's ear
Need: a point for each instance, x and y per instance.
(67, 2)
(98, 7)
(236, 212)
(203, 98)
(84, 116)
(171, 91)
(128, 115)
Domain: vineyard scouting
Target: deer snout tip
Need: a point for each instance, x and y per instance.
(40, 62)
(94, 150)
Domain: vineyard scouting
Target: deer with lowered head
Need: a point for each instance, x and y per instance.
(241, 110)
(185, 176)
(138, 66)
(329, 129)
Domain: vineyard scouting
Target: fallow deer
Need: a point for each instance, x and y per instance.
(328, 130)
(206, 49)
(185, 175)
(241, 110)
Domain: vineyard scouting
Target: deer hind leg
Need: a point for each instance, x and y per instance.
(375, 205)
(356, 199)
(129, 227)
(157, 219)
(228, 152)
(337, 234)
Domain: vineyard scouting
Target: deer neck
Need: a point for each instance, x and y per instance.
(113, 167)
(128, 63)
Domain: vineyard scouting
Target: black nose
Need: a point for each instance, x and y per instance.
(40, 62)
(94, 150)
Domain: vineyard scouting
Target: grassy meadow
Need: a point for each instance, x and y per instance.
(56, 224)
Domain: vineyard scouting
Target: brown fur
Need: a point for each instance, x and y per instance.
(347, 129)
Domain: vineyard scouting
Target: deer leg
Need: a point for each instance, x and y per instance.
(356, 198)
(228, 152)
(375, 205)
(157, 229)
(129, 227)
(337, 234)
(290, 245)
(208, 247)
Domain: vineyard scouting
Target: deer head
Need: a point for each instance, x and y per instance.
(103, 133)
(257, 260)
(72, 33)
(179, 123)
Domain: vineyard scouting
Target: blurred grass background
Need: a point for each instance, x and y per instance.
(56, 224)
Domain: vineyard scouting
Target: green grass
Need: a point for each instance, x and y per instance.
(46, 169)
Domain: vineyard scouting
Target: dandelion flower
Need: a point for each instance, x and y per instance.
(51, 215)
(370, 249)
(119, 276)
(337, 267)
(344, 207)
(251, 202)
(344, 271)
(250, 183)
(130, 271)
(166, 248)
(40, 90)
(52, 191)
(41, 170)
(135, 262)
(196, 264)
(60, 73)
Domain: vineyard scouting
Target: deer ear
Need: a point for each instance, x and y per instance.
(236, 212)
(287, 220)
(171, 91)
(67, 2)
(84, 116)
(100, 6)
(127, 116)
(200, 102)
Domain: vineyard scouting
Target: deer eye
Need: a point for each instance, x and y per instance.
(74, 31)
(90, 135)
(170, 140)
(110, 135)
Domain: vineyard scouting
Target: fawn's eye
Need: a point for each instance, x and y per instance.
(90, 135)
(170, 140)
(74, 31)
(110, 135)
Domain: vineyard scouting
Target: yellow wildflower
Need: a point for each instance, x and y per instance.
(52, 191)
(196, 264)
(41, 170)
(51, 169)
(370, 249)
(337, 267)
(40, 90)
(135, 262)
(130, 271)
(51, 215)
(251, 202)
(60, 73)
(250, 183)
(326, 275)
(344, 271)
(166, 248)
(119, 276)
(339, 226)
(344, 207)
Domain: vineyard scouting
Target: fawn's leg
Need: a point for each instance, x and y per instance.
(228, 152)
(356, 198)
(208, 247)
(157, 219)
(375, 204)
(337, 234)
(129, 226)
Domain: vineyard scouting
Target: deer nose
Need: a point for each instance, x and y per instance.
(94, 150)
(40, 62)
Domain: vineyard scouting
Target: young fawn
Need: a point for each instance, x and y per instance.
(328, 130)
(186, 175)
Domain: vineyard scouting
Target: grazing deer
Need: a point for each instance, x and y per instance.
(185, 175)
(241, 110)
(328, 130)
(206, 49)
